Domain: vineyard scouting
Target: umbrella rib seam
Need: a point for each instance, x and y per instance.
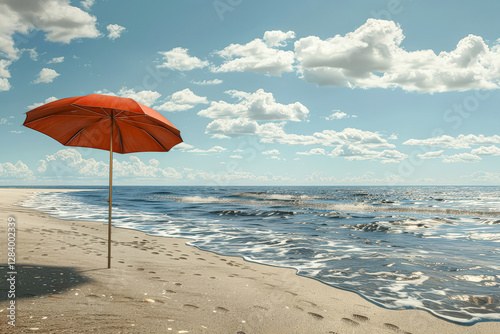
(119, 134)
(156, 140)
(79, 131)
(158, 125)
(95, 112)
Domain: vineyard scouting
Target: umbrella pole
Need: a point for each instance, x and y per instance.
(110, 192)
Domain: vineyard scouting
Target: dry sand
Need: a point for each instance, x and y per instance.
(162, 285)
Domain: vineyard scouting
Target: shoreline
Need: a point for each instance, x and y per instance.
(157, 283)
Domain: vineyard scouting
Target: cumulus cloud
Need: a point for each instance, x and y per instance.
(208, 82)
(38, 104)
(355, 152)
(337, 114)
(431, 155)
(461, 141)
(366, 178)
(114, 31)
(236, 156)
(486, 150)
(70, 163)
(314, 151)
(372, 57)
(87, 4)
(4, 75)
(179, 59)
(182, 100)
(61, 22)
(240, 176)
(274, 133)
(278, 37)
(260, 56)
(214, 149)
(18, 170)
(272, 152)
(256, 106)
(482, 176)
(146, 97)
(225, 128)
(462, 157)
(46, 75)
(56, 60)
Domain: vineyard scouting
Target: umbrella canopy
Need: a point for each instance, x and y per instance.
(105, 122)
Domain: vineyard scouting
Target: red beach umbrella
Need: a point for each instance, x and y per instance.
(111, 123)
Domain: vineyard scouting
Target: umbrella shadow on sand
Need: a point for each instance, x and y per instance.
(37, 281)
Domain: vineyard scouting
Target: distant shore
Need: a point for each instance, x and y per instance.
(162, 285)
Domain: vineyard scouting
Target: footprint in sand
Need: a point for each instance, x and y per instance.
(178, 284)
(140, 269)
(121, 261)
(152, 272)
(221, 309)
(350, 322)
(197, 274)
(316, 315)
(190, 306)
(395, 328)
(360, 317)
(183, 258)
(201, 259)
(156, 253)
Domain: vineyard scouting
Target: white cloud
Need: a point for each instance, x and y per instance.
(134, 167)
(257, 56)
(4, 74)
(337, 114)
(278, 37)
(32, 53)
(272, 152)
(56, 60)
(461, 141)
(208, 82)
(61, 21)
(146, 97)
(314, 151)
(182, 146)
(372, 56)
(3, 120)
(240, 176)
(115, 31)
(274, 133)
(179, 59)
(482, 176)
(236, 156)
(38, 104)
(87, 4)
(256, 106)
(214, 149)
(182, 100)
(366, 178)
(19, 170)
(46, 75)
(484, 150)
(70, 163)
(462, 157)
(225, 128)
(354, 152)
(431, 155)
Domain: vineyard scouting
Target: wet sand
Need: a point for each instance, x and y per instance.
(162, 285)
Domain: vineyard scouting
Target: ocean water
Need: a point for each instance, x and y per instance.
(430, 248)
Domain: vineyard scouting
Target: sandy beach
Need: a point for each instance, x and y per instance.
(162, 285)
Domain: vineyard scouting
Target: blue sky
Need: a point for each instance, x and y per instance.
(395, 92)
